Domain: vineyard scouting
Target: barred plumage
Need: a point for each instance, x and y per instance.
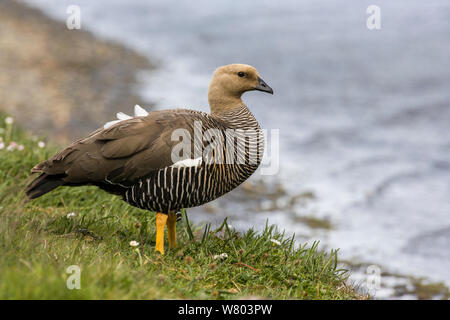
(173, 188)
(139, 157)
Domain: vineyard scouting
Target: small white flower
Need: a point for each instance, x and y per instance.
(41, 144)
(12, 146)
(221, 256)
(71, 215)
(9, 120)
(2, 145)
(20, 147)
(134, 243)
(276, 242)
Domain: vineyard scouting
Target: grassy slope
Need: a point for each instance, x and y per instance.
(38, 242)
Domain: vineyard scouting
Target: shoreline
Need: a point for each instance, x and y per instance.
(60, 83)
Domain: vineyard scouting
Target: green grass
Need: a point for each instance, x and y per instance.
(38, 242)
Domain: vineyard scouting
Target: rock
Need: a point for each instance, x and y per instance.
(59, 82)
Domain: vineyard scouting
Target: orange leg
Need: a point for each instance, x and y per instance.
(171, 229)
(161, 220)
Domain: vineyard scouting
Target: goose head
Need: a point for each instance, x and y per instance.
(230, 82)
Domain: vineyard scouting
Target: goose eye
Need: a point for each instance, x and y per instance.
(241, 74)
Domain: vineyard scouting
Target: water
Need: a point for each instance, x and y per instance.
(363, 115)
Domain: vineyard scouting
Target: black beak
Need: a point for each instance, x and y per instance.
(262, 86)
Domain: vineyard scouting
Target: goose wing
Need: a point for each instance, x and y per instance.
(123, 152)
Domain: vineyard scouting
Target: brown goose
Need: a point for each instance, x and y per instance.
(167, 160)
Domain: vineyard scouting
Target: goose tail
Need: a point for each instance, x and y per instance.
(42, 185)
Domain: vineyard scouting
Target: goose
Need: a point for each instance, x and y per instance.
(167, 160)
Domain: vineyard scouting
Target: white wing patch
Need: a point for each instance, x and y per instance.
(138, 112)
(188, 163)
(123, 116)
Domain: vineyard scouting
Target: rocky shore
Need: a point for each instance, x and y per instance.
(58, 82)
